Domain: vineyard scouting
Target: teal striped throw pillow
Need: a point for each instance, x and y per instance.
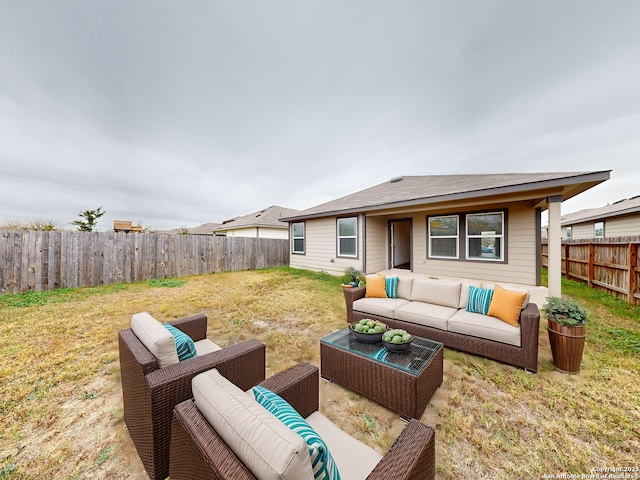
(479, 300)
(184, 344)
(391, 286)
(322, 462)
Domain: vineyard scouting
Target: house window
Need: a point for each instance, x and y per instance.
(443, 237)
(297, 234)
(485, 236)
(598, 229)
(568, 231)
(348, 237)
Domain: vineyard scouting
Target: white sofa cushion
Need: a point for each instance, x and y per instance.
(436, 292)
(405, 285)
(383, 307)
(435, 316)
(484, 326)
(354, 459)
(265, 445)
(155, 337)
(205, 346)
(464, 292)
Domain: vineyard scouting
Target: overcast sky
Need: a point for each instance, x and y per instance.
(178, 113)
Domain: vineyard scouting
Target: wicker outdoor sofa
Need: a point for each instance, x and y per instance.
(151, 391)
(435, 313)
(199, 452)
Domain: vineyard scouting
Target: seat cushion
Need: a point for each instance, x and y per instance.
(436, 292)
(355, 460)
(157, 339)
(324, 468)
(263, 443)
(185, 347)
(435, 316)
(383, 307)
(483, 326)
(205, 346)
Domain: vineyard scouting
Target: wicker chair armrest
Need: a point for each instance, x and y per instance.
(194, 325)
(530, 322)
(132, 349)
(298, 385)
(243, 364)
(198, 452)
(350, 296)
(411, 457)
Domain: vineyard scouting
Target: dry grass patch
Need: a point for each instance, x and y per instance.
(61, 401)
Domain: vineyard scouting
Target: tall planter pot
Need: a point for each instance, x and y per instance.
(567, 346)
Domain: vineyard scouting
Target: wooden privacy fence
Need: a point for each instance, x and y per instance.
(39, 260)
(611, 265)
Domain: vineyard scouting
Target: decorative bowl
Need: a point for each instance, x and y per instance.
(397, 347)
(366, 337)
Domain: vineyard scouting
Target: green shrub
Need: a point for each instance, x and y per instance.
(565, 312)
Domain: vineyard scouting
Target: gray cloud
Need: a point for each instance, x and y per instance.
(181, 113)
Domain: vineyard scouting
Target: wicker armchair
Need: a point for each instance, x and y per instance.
(198, 452)
(150, 393)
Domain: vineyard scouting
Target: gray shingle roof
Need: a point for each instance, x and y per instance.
(268, 217)
(204, 229)
(621, 207)
(420, 190)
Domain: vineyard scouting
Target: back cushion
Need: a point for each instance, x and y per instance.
(405, 285)
(265, 445)
(155, 337)
(437, 292)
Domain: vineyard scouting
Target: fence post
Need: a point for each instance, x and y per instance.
(633, 273)
(591, 267)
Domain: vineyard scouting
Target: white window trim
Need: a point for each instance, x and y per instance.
(338, 237)
(469, 237)
(294, 238)
(456, 236)
(595, 228)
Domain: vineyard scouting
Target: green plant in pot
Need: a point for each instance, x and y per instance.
(353, 278)
(565, 325)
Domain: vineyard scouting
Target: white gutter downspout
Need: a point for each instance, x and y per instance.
(554, 243)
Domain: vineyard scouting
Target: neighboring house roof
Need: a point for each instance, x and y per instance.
(204, 229)
(621, 207)
(409, 191)
(268, 217)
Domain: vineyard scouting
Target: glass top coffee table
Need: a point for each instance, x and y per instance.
(401, 381)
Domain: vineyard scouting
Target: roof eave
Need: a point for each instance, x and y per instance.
(580, 179)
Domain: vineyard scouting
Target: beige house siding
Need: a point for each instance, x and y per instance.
(242, 232)
(262, 232)
(320, 248)
(581, 231)
(266, 232)
(521, 253)
(622, 226)
(377, 244)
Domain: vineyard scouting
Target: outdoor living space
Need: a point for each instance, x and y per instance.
(62, 405)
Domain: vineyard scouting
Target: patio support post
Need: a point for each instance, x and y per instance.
(555, 246)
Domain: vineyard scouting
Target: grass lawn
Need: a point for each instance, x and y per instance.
(61, 401)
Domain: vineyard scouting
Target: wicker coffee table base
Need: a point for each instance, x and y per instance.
(405, 393)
